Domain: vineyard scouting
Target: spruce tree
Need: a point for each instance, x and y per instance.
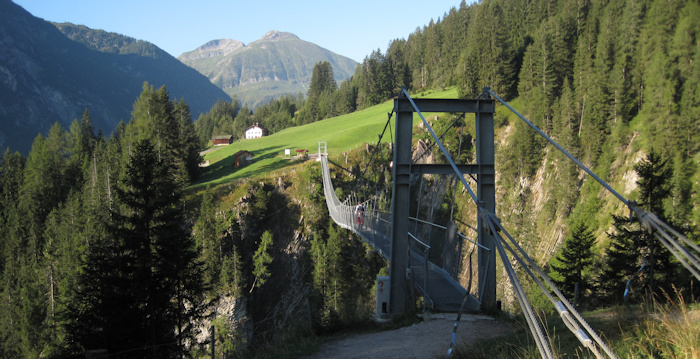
(207, 234)
(572, 263)
(262, 259)
(141, 287)
(632, 247)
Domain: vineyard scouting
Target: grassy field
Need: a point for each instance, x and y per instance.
(341, 133)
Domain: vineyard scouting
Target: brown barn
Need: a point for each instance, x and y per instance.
(243, 158)
(222, 140)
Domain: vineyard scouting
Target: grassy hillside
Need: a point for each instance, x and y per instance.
(342, 133)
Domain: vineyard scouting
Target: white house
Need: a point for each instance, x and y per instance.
(254, 132)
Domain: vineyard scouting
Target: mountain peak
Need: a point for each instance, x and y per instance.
(275, 35)
(220, 47)
(277, 63)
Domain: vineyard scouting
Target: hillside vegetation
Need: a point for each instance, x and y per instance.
(342, 133)
(100, 250)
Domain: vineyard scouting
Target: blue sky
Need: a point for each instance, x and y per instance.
(352, 28)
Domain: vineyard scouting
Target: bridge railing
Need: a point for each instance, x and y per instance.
(374, 226)
(445, 244)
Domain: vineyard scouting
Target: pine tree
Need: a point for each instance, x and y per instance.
(262, 259)
(319, 101)
(572, 263)
(168, 125)
(141, 287)
(207, 234)
(632, 246)
(218, 121)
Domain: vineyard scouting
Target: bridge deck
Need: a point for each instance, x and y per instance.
(444, 292)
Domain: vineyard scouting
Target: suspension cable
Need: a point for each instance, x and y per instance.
(527, 263)
(571, 157)
(430, 148)
(530, 317)
(371, 158)
(648, 220)
(442, 147)
(494, 224)
(467, 295)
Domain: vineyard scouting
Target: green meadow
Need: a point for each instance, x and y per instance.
(341, 134)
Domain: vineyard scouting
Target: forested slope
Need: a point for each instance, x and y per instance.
(597, 76)
(614, 82)
(609, 80)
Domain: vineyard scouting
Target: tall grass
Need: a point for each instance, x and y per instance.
(667, 328)
(671, 329)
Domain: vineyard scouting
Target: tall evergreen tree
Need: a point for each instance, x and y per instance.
(572, 263)
(218, 121)
(141, 287)
(207, 234)
(632, 246)
(168, 125)
(319, 99)
(262, 258)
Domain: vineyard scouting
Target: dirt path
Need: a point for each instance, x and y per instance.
(209, 150)
(428, 339)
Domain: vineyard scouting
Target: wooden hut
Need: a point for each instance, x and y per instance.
(222, 140)
(243, 158)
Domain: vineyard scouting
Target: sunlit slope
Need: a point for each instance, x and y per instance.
(342, 133)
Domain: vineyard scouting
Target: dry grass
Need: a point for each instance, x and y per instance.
(667, 328)
(670, 330)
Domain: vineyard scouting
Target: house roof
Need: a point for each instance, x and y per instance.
(254, 126)
(222, 137)
(241, 152)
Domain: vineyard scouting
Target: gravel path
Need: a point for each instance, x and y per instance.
(427, 339)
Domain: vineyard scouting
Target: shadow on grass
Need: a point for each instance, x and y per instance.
(227, 165)
(265, 160)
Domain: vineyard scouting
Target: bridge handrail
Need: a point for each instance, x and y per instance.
(443, 227)
(344, 215)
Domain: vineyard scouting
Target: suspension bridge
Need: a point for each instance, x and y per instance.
(430, 267)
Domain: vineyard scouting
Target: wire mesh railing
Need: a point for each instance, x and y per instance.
(373, 224)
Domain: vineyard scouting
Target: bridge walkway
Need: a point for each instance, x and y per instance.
(443, 293)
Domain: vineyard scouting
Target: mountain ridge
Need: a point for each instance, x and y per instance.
(276, 64)
(47, 76)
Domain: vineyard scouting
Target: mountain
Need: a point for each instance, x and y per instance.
(276, 64)
(52, 72)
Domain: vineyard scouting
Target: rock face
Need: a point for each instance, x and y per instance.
(52, 72)
(212, 48)
(276, 64)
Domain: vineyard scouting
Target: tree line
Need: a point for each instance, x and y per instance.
(95, 251)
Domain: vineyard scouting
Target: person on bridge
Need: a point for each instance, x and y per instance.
(360, 213)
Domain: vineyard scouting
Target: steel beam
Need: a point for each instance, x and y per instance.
(400, 203)
(448, 105)
(486, 197)
(444, 169)
(404, 167)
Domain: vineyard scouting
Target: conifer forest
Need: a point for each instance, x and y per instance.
(105, 244)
